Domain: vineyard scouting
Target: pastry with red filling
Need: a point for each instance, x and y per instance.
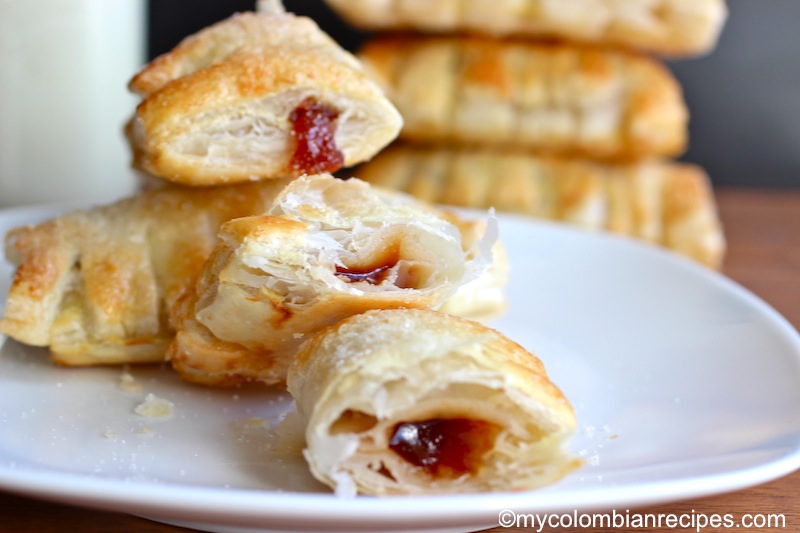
(258, 95)
(326, 250)
(411, 401)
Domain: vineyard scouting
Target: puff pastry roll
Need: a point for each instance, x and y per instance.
(671, 204)
(327, 249)
(669, 27)
(602, 103)
(259, 95)
(414, 401)
(96, 286)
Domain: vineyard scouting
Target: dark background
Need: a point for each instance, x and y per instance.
(744, 98)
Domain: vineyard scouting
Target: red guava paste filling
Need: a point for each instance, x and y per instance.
(445, 447)
(376, 272)
(374, 276)
(314, 127)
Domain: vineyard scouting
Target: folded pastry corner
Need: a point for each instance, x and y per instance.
(258, 95)
(327, 249)
(414, 401)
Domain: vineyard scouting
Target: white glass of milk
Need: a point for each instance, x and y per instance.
(64, 67)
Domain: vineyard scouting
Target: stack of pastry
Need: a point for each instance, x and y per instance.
(557, 109)
(255, 264)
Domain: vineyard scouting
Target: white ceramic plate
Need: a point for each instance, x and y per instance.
(684, 385)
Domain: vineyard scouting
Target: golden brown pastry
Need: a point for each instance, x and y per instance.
(259, 95)
(326, 250)
(413, 401)
(571, 100)
(669, 27)
(96, 285)
(661, 202)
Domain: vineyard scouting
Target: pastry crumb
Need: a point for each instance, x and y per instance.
(110, 434)
(253, 423)
(128, 383)
(154, 407)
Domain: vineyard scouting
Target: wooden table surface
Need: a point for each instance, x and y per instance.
(763, 232)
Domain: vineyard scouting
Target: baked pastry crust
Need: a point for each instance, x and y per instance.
(667, 203)
(558, 98)
(327, 249)
(218, 108)
(355, 382)
(96, 286)
(668, 27)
